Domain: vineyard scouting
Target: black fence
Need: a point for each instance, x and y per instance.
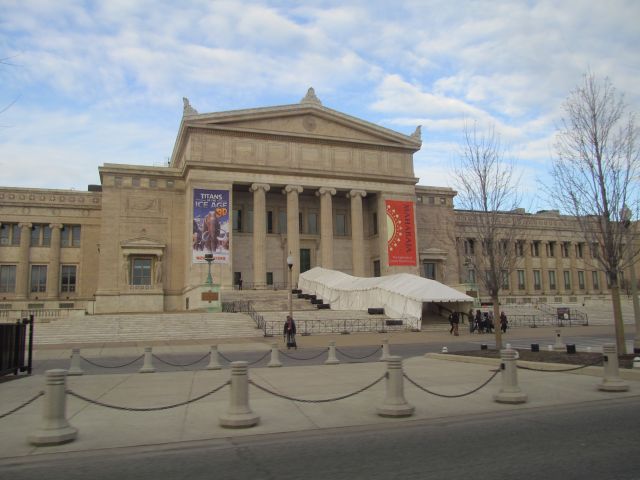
(16, 346)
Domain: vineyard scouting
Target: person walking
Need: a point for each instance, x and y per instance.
(478, 321)
(290, 332)
(455, 321)
(503, 322)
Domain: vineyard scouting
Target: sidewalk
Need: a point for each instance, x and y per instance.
(100, 427)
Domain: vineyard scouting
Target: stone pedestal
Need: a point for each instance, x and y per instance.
(331, 357)
(510, 392)
(214, 361)
(611, 381)
(209, 298)
(147, 366)
(394, 404)
(74, 368)
(559, 346)
(239, 414)
(55, 428)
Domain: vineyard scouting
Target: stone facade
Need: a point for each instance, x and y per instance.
(317, 181)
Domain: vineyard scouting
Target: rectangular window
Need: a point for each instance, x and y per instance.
(565, 249)
(15, 234)
(505, 279)
(237, 220)
(312, 223)
(374, 224)
(520, 248)
(535, 249)
(5, 234)
(269, 278)
(469, 247)
(431, 200)
(38, 278)
(141, 271)
(581, 280)
(537, 280)
(35, 235)
(376, 268)
(46, 236)
(282, 221)
(269, 221)
(567, 279)
(135, 182)
(595, 250)
(430, 270)
(7, 278)
(521, 284)
(68, 278)
(552, 279)
(153, 183)
(579, 250)
(551, 249)
(595, 278)
(70, 236)
(471, 276)
(341, 224)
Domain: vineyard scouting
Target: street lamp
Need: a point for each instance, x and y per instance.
(208, 257)
(626, 221)
(290, 264)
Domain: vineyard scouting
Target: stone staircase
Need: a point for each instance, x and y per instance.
(140, 328)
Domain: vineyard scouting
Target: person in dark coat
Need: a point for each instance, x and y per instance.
(503, 322)
(478, 321)
(290, 332)
(455, 321)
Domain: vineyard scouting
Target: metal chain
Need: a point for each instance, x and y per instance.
(522, 367)
(180, 364)
(310, 358)
(111, 366)
(358, 358)
(226, 359)
(147, 409)
(342, 397)
(31, 400)
(450, 396)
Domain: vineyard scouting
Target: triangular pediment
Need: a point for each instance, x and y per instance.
(142, 242)
(304, 121)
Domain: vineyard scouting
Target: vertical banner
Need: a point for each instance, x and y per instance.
(210, 225)
(401, 242)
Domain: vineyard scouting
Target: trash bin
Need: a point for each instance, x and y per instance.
(571, 348)
(535, 347)
(483, 346)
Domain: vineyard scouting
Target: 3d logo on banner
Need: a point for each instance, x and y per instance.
(210, 225)
(401, 242)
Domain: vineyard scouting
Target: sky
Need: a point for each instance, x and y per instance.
(84, 83)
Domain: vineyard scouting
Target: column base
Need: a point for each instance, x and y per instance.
(239, 420)
(54, 436)
(404, 410)
(613, 385)
(510, 397)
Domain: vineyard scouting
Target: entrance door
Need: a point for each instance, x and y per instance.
(305, 259)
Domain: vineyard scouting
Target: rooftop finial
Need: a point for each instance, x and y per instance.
(187, 108)
(418, 133)
(310, 97)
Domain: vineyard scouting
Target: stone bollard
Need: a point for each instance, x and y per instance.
(147, 366)
(74, 368)
(509, 391)
(394, 404)
(331, 358)
(214, 361)
(55, 428)
(558, 346)
(445, 350)
(636, 362)
(611, 381)
(239, 414)
(385, 350)
(275, 356)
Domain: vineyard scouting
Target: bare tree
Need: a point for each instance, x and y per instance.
(595, 178)
(487, 186)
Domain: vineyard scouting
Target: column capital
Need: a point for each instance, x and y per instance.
(25, 225)
(292, 188)
(53, 226)
(355, 193)
(260, 186)
(325, 190)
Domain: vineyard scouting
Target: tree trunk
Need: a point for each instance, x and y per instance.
(617, 320)
(496, 321)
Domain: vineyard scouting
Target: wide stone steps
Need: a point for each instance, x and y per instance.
(138, 328)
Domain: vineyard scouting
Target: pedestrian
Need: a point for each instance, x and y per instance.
(290, 332)
(489, 324)
(451, 323)
(455, 320)
(503, 322)
(472, 323)
(478, 321)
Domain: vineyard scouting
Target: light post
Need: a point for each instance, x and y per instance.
(290, 265)
(626, 219)
(208, 257)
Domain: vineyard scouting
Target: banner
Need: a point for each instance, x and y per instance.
(401, 241)
(210, 225)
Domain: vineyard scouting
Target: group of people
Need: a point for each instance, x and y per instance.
(483, 322)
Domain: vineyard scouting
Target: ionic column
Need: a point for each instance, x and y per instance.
(22, 271)
(528, 269)
(53, 273)
(293, 229)
(259, 234)
(326, 226)
(357, 233)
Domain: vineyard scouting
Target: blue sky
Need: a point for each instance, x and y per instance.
(102, 82)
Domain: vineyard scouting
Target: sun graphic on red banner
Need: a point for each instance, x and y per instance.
(394, 228)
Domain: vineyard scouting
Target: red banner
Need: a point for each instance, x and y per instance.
(401, 239)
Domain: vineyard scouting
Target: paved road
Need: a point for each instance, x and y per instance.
(594, 440)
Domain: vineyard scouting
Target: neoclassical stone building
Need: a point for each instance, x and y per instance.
(246, 189)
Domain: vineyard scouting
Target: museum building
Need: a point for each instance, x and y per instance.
(327, 189)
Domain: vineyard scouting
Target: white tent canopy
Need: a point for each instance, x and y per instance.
(401, 295)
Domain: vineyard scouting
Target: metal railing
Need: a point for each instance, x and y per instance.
(16, 346)
(308, 327)
(547, 320)
(39, 313)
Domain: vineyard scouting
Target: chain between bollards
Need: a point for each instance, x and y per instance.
(424, 389)
(358, 358)
(166, 362)
(304, 359)
(593, 364)
(111, 366)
